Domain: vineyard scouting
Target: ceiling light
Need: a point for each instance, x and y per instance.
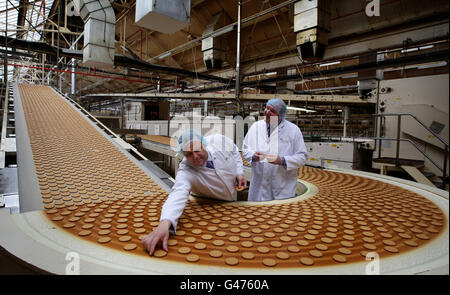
(426, 47)
(330, 64)
(165, 54)
(409, 50)
(300, 109)
(432, 65)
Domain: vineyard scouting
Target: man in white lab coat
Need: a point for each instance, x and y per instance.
(275, 149)
(212, 167)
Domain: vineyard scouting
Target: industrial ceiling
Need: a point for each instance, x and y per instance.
(354, 39)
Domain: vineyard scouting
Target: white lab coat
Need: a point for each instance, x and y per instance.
(215, 183)
(268, 181)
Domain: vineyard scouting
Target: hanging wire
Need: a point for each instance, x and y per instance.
(316, 66)
(194, 50)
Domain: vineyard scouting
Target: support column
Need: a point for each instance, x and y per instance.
(238, 58)
(122, 113)
(346, 119)
(5, 61)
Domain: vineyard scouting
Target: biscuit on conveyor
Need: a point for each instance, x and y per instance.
(348, 217)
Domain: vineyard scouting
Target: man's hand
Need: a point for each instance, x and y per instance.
(258, 156)
(273, 159)
(241, 182)
(160, 234)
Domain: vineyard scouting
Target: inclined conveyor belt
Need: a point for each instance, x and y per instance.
(80, 192)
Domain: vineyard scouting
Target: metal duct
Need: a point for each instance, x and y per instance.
(311, 25)
(99, 31)
(367, 78)
(213, 46)
(166, 16)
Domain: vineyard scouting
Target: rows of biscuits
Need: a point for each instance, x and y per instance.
(90, 189)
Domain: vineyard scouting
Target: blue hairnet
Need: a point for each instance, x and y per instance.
(187, 137)
(279, 105)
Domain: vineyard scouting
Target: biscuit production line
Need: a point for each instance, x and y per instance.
(81, 192)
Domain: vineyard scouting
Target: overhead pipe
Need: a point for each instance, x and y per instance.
(213, 47)
(401, 61)
(80, 73)
(5, 69)
(238, 58)
(119, 59)
(99, 31)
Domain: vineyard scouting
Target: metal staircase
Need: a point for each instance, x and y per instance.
(8, 159)
(8, 129)
(413, 167)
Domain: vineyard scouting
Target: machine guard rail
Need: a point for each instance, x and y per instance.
(398, 139)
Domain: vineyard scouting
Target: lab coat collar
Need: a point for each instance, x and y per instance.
(279, 126)
(209, 157)
(204, 164)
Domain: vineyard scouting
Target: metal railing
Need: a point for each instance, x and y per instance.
(399, 116)
(322, 160)
(100, 125)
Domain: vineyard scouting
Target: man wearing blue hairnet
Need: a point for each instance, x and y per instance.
(275, 149)
(211, 167)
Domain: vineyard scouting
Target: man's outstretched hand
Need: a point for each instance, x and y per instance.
(158, 236)
(241, 182)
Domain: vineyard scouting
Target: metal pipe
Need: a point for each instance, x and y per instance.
(5, 66)
(326, 89)
(377, 112)
(58, 36)
(119, 60)
(73, 80)
(397, 154)
(400, 61)
(122, 112)
(380, 136)
(73, 77)
(81, 73)
(444, 175)
(238, 58)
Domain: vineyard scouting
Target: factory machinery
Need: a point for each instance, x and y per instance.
(403, 132)
(84, 202)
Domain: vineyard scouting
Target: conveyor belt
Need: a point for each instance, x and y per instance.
(159, 139)
(100, 204)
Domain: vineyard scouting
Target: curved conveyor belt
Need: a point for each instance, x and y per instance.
(98, 202)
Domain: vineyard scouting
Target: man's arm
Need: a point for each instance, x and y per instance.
(175, 203)
(160, 234)
(238, 159)
(298, 158)
(171, 211)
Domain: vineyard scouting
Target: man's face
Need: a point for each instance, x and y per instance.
(195, 153)
(271, 112)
